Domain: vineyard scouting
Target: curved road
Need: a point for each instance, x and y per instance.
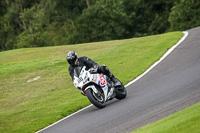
(170, 86)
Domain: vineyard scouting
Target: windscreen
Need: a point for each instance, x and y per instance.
(77, 71)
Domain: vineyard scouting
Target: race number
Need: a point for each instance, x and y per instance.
(102, 81)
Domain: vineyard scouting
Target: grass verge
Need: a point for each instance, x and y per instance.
(29, 106)
(184, 121)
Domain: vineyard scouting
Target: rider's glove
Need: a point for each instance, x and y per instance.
(93, 70)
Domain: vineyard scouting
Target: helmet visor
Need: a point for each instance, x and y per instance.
(72, 61)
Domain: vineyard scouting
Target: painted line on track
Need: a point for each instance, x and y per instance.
(140, 76)
(161, 59)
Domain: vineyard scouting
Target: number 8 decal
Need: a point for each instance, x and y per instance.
(102, 81)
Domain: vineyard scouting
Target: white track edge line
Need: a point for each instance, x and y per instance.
(161, 59)
(140, 76)
(64, 118)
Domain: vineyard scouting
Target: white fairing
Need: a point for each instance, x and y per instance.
(86, 77)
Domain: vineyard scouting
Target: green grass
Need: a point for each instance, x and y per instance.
(28, 107)
(184, 121)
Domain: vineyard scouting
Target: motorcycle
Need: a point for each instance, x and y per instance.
(98, 87)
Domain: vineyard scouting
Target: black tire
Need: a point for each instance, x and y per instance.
(120, 92)
(94, 100)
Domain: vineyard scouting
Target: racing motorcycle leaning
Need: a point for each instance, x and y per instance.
(98, 87)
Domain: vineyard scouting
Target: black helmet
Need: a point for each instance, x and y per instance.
(71, 57)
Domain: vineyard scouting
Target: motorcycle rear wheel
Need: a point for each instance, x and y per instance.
(120, 92)
(96, 99)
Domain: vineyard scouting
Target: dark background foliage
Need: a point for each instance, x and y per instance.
(38, 23)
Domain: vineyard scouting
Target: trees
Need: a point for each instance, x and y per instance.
(36, 25)
(10, 23)
(185, 15)
(110, 19)
(105, 20)
(27, 23)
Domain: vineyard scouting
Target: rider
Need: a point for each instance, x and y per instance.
(76, 61)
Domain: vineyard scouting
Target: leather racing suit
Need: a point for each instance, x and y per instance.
(85, 61)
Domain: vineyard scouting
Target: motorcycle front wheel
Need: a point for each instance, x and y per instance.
(96, 99)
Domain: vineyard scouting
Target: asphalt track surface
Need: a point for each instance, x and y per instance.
(170, 86)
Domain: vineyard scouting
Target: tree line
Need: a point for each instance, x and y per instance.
(38, 23)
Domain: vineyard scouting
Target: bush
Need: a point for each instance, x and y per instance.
(185, 15)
